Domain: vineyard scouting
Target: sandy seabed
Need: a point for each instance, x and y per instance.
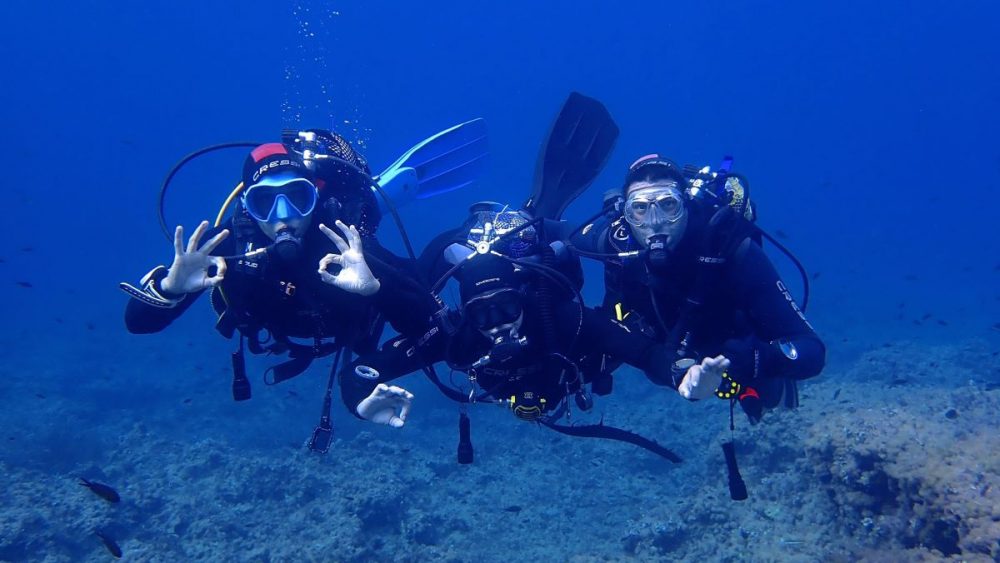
(892, 456)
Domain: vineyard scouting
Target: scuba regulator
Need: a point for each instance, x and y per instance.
(658, 254)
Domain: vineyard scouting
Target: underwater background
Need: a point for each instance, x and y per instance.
(867, 129)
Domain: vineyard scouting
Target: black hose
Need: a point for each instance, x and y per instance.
(798, 265)
(176, 168)
(544, 292)
(612, 433)
(589, 220)
(558, 277)
(450, 392)
(399, 222)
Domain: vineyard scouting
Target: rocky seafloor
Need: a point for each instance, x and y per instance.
(893, 456)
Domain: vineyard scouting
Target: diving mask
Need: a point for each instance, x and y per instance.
(280, 198)
(495, 309)
(654, 205)
(498, 316)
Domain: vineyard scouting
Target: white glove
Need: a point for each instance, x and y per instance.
(386, 405)
(701, 380)
(189, 271)
(354, 275)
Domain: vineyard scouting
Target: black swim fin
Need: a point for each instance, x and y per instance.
(578, 147)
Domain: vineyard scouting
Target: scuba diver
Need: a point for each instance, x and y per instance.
(520, 328)
(521, 333)
(684, 265)
(287, 282)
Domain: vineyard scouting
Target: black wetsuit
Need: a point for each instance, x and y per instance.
(289, 300)
(744, 310)
(544, 371)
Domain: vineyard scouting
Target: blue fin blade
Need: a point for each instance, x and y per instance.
(453, 171)
(449, 160)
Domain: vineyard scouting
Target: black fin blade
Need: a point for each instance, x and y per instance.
(578, 146)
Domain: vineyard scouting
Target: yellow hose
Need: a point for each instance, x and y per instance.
(229, 201)
(218, 221)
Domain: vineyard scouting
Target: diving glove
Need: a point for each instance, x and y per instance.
(189, 272)
(354, 276)
(701, 380)
(386, 405)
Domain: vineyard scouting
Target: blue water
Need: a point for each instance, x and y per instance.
(868, 131)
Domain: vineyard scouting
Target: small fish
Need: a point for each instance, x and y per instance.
(996, 327)
(40, 395)
(836, 394)
(2, 260)
(113, 547)
(26, 284)
(926, 316)
(897, 381)
(512, 508)
(816, 275)
(784, 541)
(91, 325)
(781, 234)
(101, 490)
(58, 320)
(27, 249)
(187, 401)
(942, 322)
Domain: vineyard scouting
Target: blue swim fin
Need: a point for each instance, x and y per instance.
(449, 160)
